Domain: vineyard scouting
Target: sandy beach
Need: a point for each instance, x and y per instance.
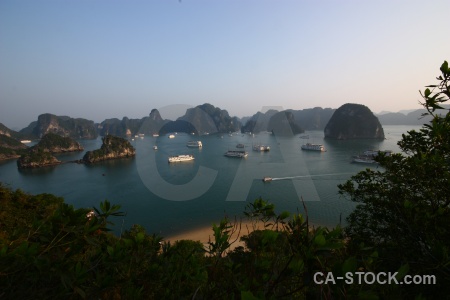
(205, 234)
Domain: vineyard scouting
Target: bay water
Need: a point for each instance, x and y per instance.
(169, 198)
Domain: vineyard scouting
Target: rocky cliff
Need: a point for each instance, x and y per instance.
(63, 126)
(353, 121)
(113, 147)
(37, 158)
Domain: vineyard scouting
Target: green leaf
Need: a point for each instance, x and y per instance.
(247, 295)
(444, 68)
(320, 240)
(402, 271)
(349, 265)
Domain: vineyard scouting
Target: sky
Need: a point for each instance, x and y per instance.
(99, 59)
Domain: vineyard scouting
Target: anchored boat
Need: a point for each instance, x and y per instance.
(181, 158)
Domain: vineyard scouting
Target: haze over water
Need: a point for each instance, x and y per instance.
(126, 181)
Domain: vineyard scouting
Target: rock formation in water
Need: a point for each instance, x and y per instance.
(283, 123)
(353, 121)
(10, 148)
(10, 145)
(113, 147)
(63, 126)
(130, 127)
(40, 155)
(258, 122)
(207, 118)
(54, 143)
(36, 158)
(313, 118)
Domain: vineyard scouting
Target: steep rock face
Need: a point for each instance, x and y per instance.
(54, 143)
(113, 147)
(37, 158)
(63, 126)
(283, 123)
(353, 121)
(258, 122)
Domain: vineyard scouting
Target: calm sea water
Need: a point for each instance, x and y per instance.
(171, 198)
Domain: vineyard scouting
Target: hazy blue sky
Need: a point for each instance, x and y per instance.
(101, 59)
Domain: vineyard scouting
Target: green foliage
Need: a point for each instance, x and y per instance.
(404, 211)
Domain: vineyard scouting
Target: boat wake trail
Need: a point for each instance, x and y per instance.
(309, 176)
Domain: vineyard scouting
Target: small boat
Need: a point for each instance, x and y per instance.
(240, 146)
(194, 144)
(181, 158)
(267, 179)
(363, 159)
(155, 147)
(374, 153)
(304, 136)
(313, 147)
(261, 148)
(236, 153)
(171, 136)
(155, 135)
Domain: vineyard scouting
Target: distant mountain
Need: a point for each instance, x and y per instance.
(147, 125)
(207, 118)
(283, 123)
(61, 125)
(259, 122)
(353, 121)
(305, 119)
(313, 118)
(412, 118)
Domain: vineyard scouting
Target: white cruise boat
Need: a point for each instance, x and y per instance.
(25, 141)
(236, 153)
(171, 136)
(180, 158)
(194, 144)
(368, 156)
(313, 147)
